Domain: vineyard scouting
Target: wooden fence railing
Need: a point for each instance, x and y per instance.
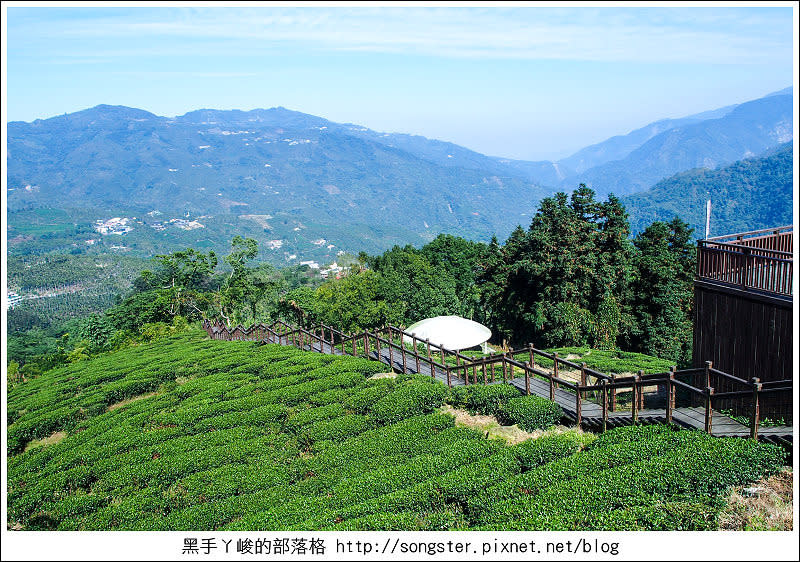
(760, 260)
(675, 388)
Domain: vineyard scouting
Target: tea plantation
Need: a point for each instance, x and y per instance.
(188, 433)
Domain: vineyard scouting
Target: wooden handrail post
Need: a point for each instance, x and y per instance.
(474, 373)
(416, 351)
(641, 391)
(504, 370)
(378, 345)
(708, 366)
(428, 345)
(672, 371)
(613, 404)
(447, 370)
(403, 353)
(527, 380)
(583, 379)
(355, 351)
(391, 355)
(366, 344)
(755, 414)
(635, 401)
(530, 352)
(441, 354)
(604, 384)
(670, 395)
(578, 406)
(552, 386)
(746, 260)
(555, 367)
(709, 393)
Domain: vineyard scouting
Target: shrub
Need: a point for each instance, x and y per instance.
(313, 415)
(530, 413)
(335, 429)
(361, 401)
(482, 399)
(662, 516)
(408, 400)
(411, 378)
(333, 396)
(545, 449)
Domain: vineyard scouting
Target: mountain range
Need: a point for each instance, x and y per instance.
(747, 195)
(310, 186)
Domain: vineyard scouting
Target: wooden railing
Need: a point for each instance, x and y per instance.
(758, 260)
(688, 387)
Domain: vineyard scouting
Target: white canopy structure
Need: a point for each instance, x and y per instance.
(450, 332)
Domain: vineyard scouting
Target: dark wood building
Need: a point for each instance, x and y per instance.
(743, 317)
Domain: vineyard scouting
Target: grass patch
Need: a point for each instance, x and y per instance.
(127, 401)
(511, 434)
(49, 440)
(763, 506)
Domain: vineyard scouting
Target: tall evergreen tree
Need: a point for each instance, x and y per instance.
(662, 291)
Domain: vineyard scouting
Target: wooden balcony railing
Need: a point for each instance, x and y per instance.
(760, 260)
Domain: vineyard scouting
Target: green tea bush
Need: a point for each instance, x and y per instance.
(362, 401)
(482, 399)
(410, 378)
(404, 521)
(409, 399)
(333, 396)
(530, 413)
(245, 437)
(335, 429)
(312, 415)
(545, 449)
(662, 516)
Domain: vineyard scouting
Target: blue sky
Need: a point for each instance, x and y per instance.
(519, 82)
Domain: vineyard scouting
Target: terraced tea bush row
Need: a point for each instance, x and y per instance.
(537, 452)
(482, 399)
(334, 429)
(409, 398)
(362, 401)
(530, 413)
(679, 472)
(240, 436)
(312, 415)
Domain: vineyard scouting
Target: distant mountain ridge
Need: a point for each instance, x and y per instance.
(747, 195)
(302, 178)
(747, 130)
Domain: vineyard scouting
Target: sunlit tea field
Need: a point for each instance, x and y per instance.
(188, 433)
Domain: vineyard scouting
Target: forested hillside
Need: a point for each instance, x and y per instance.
(574, 277)
(310, 186)
(748, 195)
(748, 130)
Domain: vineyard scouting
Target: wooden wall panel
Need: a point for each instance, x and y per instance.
(746, 335)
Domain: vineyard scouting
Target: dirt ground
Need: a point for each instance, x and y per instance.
(763, 506)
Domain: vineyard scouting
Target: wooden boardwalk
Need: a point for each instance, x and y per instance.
(592, 413)
(546, 384)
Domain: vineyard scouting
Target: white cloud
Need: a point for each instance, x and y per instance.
(718, 35)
